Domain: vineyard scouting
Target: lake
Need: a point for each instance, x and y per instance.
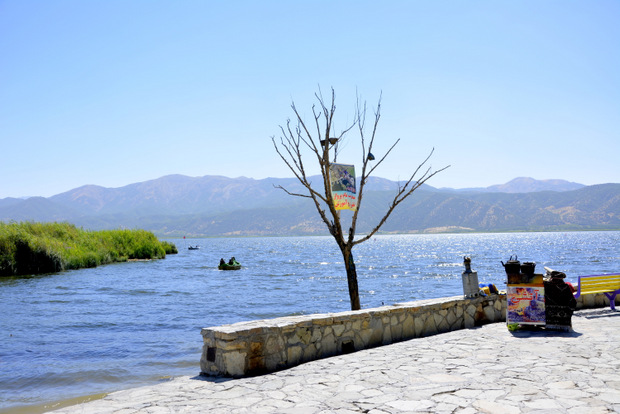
(98, 330)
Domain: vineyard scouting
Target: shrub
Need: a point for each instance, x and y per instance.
(31, 248)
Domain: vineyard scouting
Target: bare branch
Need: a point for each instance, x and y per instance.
(292, 194)
(403, 192)
(296, 165)
(297, 140)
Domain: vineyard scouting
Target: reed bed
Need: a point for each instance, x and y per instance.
(33, 247)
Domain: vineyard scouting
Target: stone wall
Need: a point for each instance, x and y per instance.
(598, 300)
(255, 347)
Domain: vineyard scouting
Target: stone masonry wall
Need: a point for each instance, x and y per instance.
(598, 300)
(255, 347)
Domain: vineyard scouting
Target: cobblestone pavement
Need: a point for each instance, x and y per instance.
(481, 370)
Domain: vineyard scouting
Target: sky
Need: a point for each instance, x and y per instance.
(117, 92)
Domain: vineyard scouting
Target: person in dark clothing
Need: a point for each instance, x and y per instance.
(559, 301)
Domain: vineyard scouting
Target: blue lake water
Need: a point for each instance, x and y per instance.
(98, 330)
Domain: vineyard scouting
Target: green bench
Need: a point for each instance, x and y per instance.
(607, 284)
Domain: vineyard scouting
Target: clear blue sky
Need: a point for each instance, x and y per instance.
(116, 92)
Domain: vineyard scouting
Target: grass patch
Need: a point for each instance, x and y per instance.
(33, 248)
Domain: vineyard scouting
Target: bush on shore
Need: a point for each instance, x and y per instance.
(33, 248)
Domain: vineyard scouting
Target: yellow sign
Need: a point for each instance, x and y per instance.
(342, 179)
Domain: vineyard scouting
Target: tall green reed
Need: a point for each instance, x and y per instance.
(34, 247)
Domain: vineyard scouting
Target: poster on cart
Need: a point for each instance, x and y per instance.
(526, 305)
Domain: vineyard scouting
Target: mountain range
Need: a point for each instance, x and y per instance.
(177, 205)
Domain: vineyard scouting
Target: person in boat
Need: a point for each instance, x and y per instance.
(222, 262)
(232, 260)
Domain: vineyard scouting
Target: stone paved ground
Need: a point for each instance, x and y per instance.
(481, 370)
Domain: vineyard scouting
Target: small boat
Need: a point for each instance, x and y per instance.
(232, 264)
(193, 247)
(227, 266)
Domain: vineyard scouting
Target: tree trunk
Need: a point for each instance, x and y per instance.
(295, 141)
(354, 294)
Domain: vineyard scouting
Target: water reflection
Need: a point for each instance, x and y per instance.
(95, 330)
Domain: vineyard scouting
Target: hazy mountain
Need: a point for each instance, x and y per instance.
(36, 209)
(525, 185)
(10, 201)
(178, 194)
(175, 194)
(177, 205)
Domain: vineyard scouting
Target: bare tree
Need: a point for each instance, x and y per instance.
(319, 139)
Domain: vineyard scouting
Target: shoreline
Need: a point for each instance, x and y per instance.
(479, 369)
(54, 405)
(483, 369)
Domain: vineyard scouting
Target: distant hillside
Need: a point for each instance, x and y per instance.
(177, 205)
(594, 207)
(35, 209)
(175, 194)
(527, 185)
